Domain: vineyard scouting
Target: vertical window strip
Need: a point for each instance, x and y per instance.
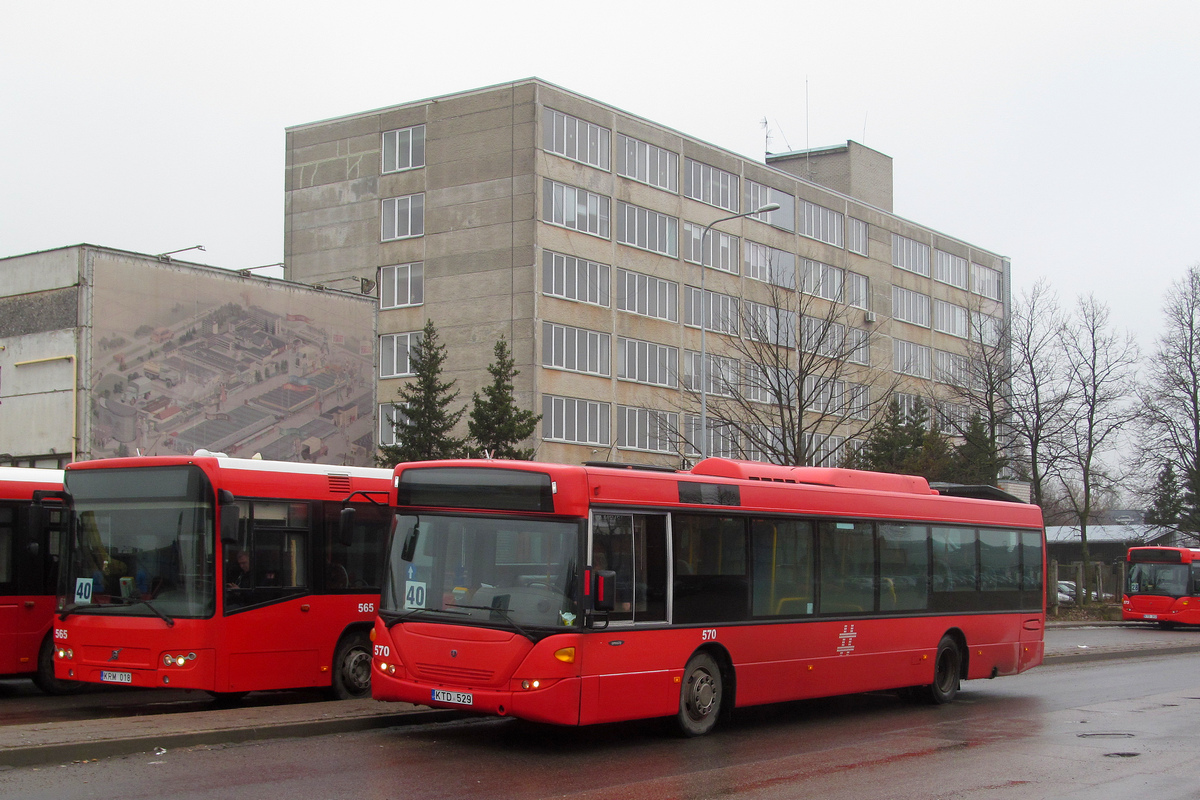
(857, 290)
(909, 306)
(721, 250)
(986, 281)
(770, 265)
(646, 429)
(575, 208)
(576, 349)
(950, 318)
(710, 185)
(573, 420)
(576, 139)
(402, 285)
(823, 224)
(647, 362)
(910, 358)
(403, 217)
(719, 311)
(647, 295)
(395, 354)
(573, 278)
(949, 268)
(403, 149)
(857, 236)
(647, 163)
(910, 255)
(822, 280)
(646, 229)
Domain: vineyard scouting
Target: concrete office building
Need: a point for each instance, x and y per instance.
(575, 230)
(106, 352)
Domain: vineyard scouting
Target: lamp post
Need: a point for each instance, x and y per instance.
(704, 322)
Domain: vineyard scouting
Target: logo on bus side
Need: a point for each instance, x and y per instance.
(847, 637)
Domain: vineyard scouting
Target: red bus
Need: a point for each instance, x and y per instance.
(223, 574)
(31, 520)
(585, 594)
(1162, 585)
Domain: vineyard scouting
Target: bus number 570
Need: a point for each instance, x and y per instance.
(708, 634)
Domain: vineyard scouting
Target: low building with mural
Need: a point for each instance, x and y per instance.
(105, 352)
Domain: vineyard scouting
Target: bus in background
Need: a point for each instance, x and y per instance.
(223, 574)
(586, 594)
(31, 517)
(1162, 585)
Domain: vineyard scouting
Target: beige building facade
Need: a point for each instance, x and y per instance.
(576, 231)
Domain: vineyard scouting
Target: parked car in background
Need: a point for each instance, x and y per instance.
(1066, 592)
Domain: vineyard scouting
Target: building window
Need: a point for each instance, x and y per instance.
(769, 265)
(395, 354)
(949, 268)
(949, 318)
(403, 217)
(721, 374)
(910, 358)
(647, 295)
(952, 368)
(836, 398)
(390, 414)
(859, 345)
(646, 429)
(765, 323)
(857, 290)
(986, 281)
(763, 384)
(910, 255)
(647, 163)
(722, 439)
(822, 280)
(823, 224)
(911, 307)
(576, 349)
(953, 416)
(575, 279)
(575, 139)
(710, 185)
(721, 311)
(575, 208)
(986, 329)
(720, 249)
(647, 362)
(404, 149)
(758, 195)
(856, 236)
(569, 419)
(402, 285)
(909, 403)
(648, 230)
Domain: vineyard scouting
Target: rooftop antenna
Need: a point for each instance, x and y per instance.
(807, 138)
(766, 136)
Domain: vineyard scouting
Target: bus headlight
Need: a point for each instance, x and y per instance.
(179, 660)
(66, 653)
(386, 668)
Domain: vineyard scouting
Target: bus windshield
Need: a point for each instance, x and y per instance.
(142, 543)
(1164, 579)
(502, 572)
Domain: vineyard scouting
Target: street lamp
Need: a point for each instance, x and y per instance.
(704, 323)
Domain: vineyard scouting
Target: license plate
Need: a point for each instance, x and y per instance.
(460, 698)
(116, 677)
(1149, 616)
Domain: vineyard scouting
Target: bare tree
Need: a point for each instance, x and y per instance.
(791, 381)
(1170, 412)
(1041, 393)
(1101, 366)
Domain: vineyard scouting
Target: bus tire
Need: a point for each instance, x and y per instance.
(44, 677)
(352, 667)
(947, 672)
(700, 695)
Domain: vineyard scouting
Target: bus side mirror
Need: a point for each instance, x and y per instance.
(345, 526)
(604, 586)
(229, 512)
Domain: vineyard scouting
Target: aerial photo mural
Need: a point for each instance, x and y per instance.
(185, 359)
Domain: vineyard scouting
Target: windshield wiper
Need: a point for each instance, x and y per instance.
(503, 614)
(79, 608)
(170, 622)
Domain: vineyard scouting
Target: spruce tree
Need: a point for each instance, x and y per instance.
(978, 463)
(896, 442)
(425, 420)
(496, 425)
(1166, 500)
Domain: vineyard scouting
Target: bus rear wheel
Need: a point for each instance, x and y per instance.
(700, 696)
(947, 671)
(352, 667)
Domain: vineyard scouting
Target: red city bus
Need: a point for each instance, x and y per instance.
(223, 574)
(31, 517)
(585, 594)
(1162, 585)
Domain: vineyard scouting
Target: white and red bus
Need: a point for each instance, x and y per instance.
(223, 574)
(1162, 585)
(585, 594)
(31, 524)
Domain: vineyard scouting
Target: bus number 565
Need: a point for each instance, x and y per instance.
(708, 634)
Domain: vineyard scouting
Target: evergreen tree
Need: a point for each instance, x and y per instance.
(423, 427)
(496, 424)
(1166, 499)
(936, 459)
(976, 461)
(895, 444)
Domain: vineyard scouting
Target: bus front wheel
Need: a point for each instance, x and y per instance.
(700, 697)
(947, 670)
(352, 667)
(44, 677)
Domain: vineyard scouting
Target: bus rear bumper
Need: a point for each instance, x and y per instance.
(556, 704)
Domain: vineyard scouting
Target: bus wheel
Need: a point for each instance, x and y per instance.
(226, 699)
(44, 677)
(1165, 625)
(700, 697)
(947, 670)
(352, 667)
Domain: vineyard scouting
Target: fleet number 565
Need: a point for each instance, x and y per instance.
(366, 608)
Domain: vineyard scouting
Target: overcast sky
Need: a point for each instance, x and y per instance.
(1060, 134)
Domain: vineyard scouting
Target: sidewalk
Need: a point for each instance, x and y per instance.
(78, 740)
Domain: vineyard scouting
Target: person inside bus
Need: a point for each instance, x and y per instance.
(241, 578)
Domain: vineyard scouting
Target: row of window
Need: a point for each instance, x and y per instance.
(913, 256)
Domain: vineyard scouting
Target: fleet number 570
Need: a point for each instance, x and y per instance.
(708, 634)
